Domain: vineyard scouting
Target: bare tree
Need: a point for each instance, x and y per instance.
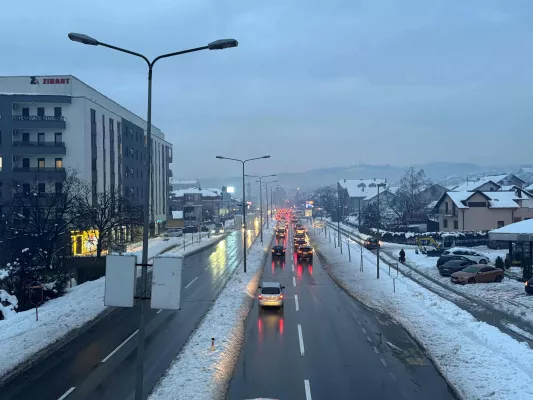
(408, 202)
(109, 212)
(36, 235)
(326, 197)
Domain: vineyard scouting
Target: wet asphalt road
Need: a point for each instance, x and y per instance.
(325, 345)
(79, 364)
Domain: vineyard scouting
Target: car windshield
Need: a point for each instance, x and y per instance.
(471, 269)
(270, 290)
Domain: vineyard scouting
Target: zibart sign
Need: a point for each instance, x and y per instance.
(49, 81)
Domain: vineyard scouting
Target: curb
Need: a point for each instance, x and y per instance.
(458, 394)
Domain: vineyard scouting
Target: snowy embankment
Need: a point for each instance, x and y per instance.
(201, 372)
(23, 339)
(460, 346)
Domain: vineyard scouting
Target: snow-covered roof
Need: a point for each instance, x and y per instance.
(177, 214)
(360, 187)
(203, 192)
(512, 231)
(459, 197)
(471, 186)
(496, 199)
(529, 188)
(526, 170)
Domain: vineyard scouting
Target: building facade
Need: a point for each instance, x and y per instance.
(51, 124)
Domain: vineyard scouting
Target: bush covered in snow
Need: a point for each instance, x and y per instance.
(460, 238)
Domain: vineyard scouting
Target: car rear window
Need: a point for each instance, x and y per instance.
(270, 290)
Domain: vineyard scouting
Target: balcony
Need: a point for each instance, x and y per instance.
(32, 173)
(38, 148)
(37, 121)
(449, 213)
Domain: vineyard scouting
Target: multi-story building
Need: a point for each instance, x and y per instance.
(50, 124)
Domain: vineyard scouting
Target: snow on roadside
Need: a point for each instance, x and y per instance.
(21, 337)
(461, 346)
(200, 372)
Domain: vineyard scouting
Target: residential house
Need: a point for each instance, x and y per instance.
(202, 204)
(482, 210)
(483, 185)
(353, 192)
(526, 173)
(176, 221)
(431, 193)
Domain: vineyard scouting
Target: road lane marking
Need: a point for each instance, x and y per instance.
(293, 281)
(159, 311)
(358, 322)
(307, 390)
(383, 362)
(301, 340)
(363, 329)
(296, 302)
(206, 268)
(392, 376)
(120, 346)
(292, 267)
(376, 350)
(190, 283)
(369, 340)
(67, 393)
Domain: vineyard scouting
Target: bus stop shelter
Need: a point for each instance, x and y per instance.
(520, 233)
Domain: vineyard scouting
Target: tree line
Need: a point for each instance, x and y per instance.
(35, 234)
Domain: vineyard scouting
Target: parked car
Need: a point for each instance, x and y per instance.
(476, 256)
(190, 229)
(478, 273)
(453, 266)
(371, 243)
(305, 252)
(450, 257)
(174, 232)
(278, 251)
(271, 294)
(529, 286)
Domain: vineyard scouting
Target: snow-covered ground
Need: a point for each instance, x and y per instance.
(461, 346)
(21, 337)
(203, 373)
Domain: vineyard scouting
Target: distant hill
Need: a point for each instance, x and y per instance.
(442, 172)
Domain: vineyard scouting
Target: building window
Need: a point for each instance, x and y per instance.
(58, 138)
(93, 166)
(57, 112)
(445, 222)
(40, 163)
(59, 187)
(41, 187)
(59, 163)
(127, 191)
(25, 137)
(40, 111)
(501, 224)
(26, 188)
(25, 112)
(455, 224)
(26, 212)
(41, 138)
(93, 116)
(477, 204)
(26, 162)
(446, 207)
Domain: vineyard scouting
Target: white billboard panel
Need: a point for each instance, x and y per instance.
(230, 189)
(120, 280)
(166, 283)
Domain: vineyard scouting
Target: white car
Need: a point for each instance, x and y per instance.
(174, 232)
(271, 294)
(473, 255)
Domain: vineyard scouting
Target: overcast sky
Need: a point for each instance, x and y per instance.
(313, 83)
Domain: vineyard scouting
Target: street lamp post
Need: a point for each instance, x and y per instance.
(216, 45)
(379, 223)
(266, 197)
(243, 199)
(261, 199)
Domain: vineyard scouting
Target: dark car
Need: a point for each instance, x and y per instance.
(454, 266)
(299, 242)
(304, 252)
(190, 229)
(529, 286)
(278, 251)
(371, 243)
(450, 257)
(280, 232)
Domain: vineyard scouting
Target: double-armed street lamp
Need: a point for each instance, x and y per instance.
(243, 200)
(216, 45)
(261, 199)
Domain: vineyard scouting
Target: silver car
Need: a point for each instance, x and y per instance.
(271, 294)
(174, 232)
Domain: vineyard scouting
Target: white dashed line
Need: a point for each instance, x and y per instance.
(70, 391)
(358, 322)
(120, 346)
(369, 340)
(190, 283)
(383, 362)
(296, 302)
(301, 340)
(376, 350)
(292, 267)
(363, 329)
(294, 281)
(159, 311)
(392, 376)
(307, 390)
